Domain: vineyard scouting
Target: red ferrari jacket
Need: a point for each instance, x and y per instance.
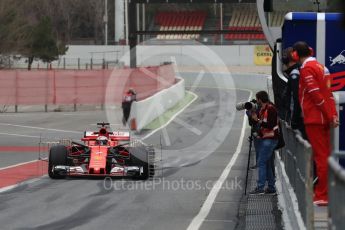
(269, 122)
(315, 96)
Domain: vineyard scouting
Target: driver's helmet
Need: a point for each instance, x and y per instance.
(102, 140)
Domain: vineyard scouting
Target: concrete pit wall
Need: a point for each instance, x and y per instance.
(145, 111)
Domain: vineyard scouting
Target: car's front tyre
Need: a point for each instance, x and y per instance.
(57, 156)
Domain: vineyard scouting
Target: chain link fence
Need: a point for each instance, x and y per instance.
(65, 63)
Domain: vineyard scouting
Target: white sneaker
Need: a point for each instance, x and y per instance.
(321, 202)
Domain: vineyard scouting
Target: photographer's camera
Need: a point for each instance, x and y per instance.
(249, 105)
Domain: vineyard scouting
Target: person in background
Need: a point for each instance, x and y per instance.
(294, 114)
(127, 101)
(267, 141)
(319, 114)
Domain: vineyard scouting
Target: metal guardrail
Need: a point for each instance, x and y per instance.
(297, 158)
(336, 192)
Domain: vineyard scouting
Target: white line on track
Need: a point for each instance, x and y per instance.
(172, 118)
(206, 207)
(19, 164)
(19, 135)
(39, 128)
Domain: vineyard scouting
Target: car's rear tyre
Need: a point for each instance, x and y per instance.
(57, 156)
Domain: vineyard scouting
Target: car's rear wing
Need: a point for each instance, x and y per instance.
(113, 136)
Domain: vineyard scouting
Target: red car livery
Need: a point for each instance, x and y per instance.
(102, 153)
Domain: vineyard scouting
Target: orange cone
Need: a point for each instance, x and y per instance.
(133, 124)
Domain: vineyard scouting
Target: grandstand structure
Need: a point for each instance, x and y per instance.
(244, 19)
(185, 22)
(211, 22)
(177, 21)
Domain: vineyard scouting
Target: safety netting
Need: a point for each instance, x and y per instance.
(22, 87)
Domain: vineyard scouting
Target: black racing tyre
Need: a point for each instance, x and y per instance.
(57, 156)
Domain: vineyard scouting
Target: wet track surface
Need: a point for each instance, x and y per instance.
(170, 201)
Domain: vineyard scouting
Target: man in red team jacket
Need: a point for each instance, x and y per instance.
(319, 114)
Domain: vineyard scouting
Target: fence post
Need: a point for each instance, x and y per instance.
(91, 64)
(16, 93)
(54, 88)
(75, 94)
(64, 63)
(47, 91)
(104, 89)
(78, 63)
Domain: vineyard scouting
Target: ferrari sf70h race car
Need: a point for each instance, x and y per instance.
(104, 153)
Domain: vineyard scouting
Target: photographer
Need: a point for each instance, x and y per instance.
(267, 120)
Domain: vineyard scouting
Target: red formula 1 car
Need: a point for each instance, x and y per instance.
(103, 153)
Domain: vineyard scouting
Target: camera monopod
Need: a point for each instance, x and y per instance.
(250, 139)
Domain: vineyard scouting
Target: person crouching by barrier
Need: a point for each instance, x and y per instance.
(127, 101)
(267, 138)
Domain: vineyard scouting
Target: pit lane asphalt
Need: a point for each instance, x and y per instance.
(86, 204)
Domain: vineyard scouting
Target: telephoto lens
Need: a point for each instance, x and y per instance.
(240, 106)
(250, 105)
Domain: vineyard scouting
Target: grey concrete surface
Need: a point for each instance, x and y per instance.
(31, 128)
(261, 211)
(155, 204)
